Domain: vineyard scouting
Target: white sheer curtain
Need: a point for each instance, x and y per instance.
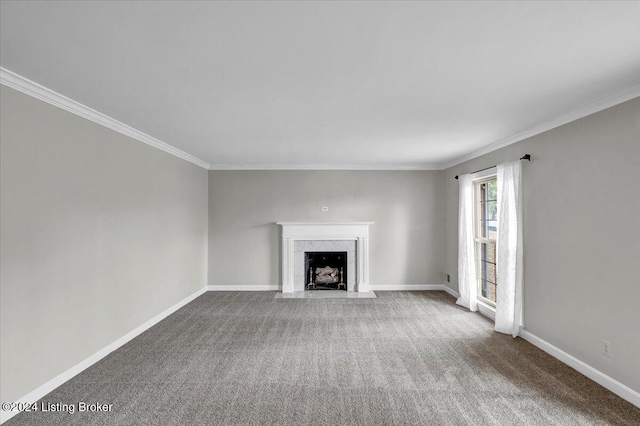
(466, 257)
(509, 288)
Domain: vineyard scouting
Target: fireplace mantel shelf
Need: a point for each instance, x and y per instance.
(325, 231)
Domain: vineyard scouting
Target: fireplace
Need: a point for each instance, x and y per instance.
(325, 270)
(330, 238)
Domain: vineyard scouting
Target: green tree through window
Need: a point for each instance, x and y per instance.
(492, 195)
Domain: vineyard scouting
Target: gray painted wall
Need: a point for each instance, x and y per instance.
(100, 233)
(405, 241)
(581, 236)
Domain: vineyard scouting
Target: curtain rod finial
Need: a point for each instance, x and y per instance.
(456, 176)
(526, 157)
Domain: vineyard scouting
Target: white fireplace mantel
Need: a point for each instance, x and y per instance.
(325, 231)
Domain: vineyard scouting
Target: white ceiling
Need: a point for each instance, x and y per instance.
(335, 84)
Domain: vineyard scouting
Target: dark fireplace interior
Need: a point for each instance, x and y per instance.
(325, 270)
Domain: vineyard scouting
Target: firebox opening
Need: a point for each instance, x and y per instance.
(325, 270)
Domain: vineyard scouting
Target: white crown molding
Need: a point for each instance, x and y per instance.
(597, 376)
(266, 166)
(591, 108)
(52, 384)
(26, 86)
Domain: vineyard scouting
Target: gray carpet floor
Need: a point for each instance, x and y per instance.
(405, 358)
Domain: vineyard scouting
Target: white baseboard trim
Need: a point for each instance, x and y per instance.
(43, 390)
(379, 287)
(405, 287)
(450, 291)
(257, 287)
(597, 376)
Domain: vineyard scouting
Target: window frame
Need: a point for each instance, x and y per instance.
(487, 176)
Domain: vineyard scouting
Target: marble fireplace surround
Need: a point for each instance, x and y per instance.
(350, 237)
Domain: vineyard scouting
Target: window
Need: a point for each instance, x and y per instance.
(486, 234)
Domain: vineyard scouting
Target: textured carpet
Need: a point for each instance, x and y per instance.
(405, 358)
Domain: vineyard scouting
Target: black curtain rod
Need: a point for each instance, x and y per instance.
(524, 157)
